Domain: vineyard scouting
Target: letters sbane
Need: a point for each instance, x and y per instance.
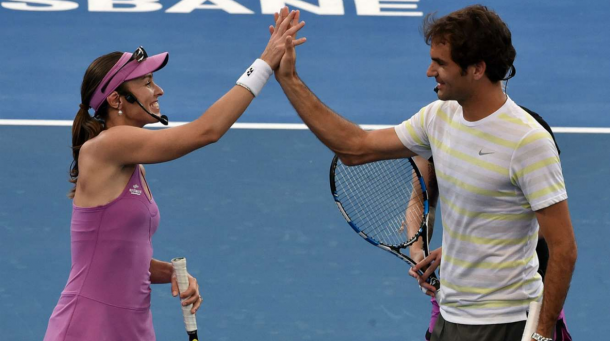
(323, 7)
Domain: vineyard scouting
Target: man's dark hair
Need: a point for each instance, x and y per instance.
(474, 34)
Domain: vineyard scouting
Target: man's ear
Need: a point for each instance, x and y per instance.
(114, 100)
(478, 70)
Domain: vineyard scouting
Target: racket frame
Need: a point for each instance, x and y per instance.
(395, 250)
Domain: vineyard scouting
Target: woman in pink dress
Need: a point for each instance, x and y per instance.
(107, 296)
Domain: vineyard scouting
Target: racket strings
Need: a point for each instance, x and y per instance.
(375, 205)
(390, 234)
(415, 210)
(404, 222)
(384, 199)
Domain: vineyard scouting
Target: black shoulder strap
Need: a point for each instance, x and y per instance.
(543, 124)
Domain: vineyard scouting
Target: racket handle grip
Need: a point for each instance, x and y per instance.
(433, 281)
(190, 321)
(181, 273)
(193, 336)
(532, 321)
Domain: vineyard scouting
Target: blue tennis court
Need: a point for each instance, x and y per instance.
(253, 213)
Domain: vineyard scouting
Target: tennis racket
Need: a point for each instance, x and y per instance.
(532, 321)
(386, 203)
(190, 320)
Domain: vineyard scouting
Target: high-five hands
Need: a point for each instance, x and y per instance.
(286, 27)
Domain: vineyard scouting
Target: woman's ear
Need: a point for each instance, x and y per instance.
(114, 100)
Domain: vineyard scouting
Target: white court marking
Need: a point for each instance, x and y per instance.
(276, 126)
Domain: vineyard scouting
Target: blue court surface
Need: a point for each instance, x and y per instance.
(253, 213)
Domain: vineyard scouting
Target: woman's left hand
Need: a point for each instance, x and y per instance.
(190, 295)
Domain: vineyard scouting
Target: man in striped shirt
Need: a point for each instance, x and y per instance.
(498, 172)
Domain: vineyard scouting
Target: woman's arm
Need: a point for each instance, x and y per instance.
(124, 145)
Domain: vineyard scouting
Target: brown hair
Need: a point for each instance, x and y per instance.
(475, 34)
(86, 127)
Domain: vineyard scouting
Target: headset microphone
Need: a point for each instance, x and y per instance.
(436, 89)
(131, 99)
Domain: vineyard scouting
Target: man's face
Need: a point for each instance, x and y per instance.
(452, 84)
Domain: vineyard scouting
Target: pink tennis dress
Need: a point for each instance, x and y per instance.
(108, 293)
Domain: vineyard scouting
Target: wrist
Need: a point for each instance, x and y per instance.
(160, 272)
(265, 59)
(289, 80)
(255, 77)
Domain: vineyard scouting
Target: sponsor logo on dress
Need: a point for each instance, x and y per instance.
(135, 190)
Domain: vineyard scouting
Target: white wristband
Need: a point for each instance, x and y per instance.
(255, 77)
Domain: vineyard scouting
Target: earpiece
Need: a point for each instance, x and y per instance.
(130, 98)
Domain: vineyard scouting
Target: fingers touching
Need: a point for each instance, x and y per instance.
(286, 24)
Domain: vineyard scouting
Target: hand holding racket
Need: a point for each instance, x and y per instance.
(386, 203)
(428, 265)
(188, 292)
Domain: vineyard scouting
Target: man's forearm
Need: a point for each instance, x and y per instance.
(337, 133)
(556, 284)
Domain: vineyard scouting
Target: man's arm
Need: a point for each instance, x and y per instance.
(353, 144)
(557, 229)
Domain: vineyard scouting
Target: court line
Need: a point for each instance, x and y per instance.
(277, 126)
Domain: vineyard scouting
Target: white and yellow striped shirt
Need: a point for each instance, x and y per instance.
(492, 175)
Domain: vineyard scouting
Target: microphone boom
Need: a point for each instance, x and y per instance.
(162, 118)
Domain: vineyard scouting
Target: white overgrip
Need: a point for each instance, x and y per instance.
(190, 320)
(532, 321)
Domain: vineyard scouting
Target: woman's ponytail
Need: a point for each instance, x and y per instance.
(86, 127)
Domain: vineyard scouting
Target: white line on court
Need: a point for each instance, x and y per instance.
(276, 126)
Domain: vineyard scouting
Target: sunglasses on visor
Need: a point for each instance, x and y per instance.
(138, 55)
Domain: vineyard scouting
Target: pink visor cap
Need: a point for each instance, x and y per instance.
(125, 70)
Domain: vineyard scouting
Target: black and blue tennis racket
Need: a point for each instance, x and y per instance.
(386, 203)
